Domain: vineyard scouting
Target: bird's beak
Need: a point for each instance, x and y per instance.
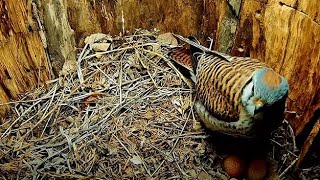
(258, 106)
(259, 103)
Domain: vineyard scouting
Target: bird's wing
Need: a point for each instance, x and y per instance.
(220, 82)
(220, 78)
(181, 56)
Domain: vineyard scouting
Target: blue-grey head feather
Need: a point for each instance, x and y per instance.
(265, 89)
(269, 90)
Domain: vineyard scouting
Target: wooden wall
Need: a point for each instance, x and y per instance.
(285, 34)
(23, 61)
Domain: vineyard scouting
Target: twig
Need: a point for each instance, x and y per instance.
(120, 49)
(287, 169)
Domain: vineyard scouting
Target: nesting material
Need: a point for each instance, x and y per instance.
(123, 111)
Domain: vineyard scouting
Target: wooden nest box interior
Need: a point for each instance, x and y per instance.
(40, 38)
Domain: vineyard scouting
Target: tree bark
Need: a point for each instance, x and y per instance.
(284, 34)
(23, 61)
(61, 46)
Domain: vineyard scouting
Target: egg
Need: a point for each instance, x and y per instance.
(234, 166)
(257, 169)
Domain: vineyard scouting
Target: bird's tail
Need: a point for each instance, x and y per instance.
(183, 60)
(197, 49)
(187, 57)
(181, 56)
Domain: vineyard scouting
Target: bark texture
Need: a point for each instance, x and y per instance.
(60, 36)
(283, 33)
(23, 61)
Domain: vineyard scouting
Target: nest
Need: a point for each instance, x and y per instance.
(122, 111)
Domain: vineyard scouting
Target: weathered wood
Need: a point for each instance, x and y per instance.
(60, 36)
(306, 146)
(284, 34)
(87, 17)
(23, 62)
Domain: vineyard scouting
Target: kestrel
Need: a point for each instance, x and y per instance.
(238, 96)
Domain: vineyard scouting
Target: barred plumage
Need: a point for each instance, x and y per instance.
(220, 83)
(242, 97)
(182, 57)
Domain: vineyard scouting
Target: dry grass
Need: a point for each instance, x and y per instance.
(125, 112)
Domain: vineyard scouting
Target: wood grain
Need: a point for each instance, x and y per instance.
(60, 36)
(284, 34)
(23, 62)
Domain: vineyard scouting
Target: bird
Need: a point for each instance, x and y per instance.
(237, 96)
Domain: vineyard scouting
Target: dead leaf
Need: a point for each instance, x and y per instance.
(68, 68)
(196, 125)
(192, 173)
(168, 38)
(186, 104)
(13, 166)
(94, 38)
(129, 172)
(177, 105)
(148, 115)
(100, 46)
(91, 99)
(74, 130)
(201, 149)
(98, 56)
(136, 160)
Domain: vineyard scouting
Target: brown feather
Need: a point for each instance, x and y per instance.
(272, 79)
(220, 83)
(182, 56)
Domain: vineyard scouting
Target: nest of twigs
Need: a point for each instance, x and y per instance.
(124, 112)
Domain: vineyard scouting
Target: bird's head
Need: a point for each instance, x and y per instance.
(266, 88)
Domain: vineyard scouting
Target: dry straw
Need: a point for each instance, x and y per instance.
(124, 112)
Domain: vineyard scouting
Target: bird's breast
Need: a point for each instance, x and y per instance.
(243, 127)
(219, 89)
